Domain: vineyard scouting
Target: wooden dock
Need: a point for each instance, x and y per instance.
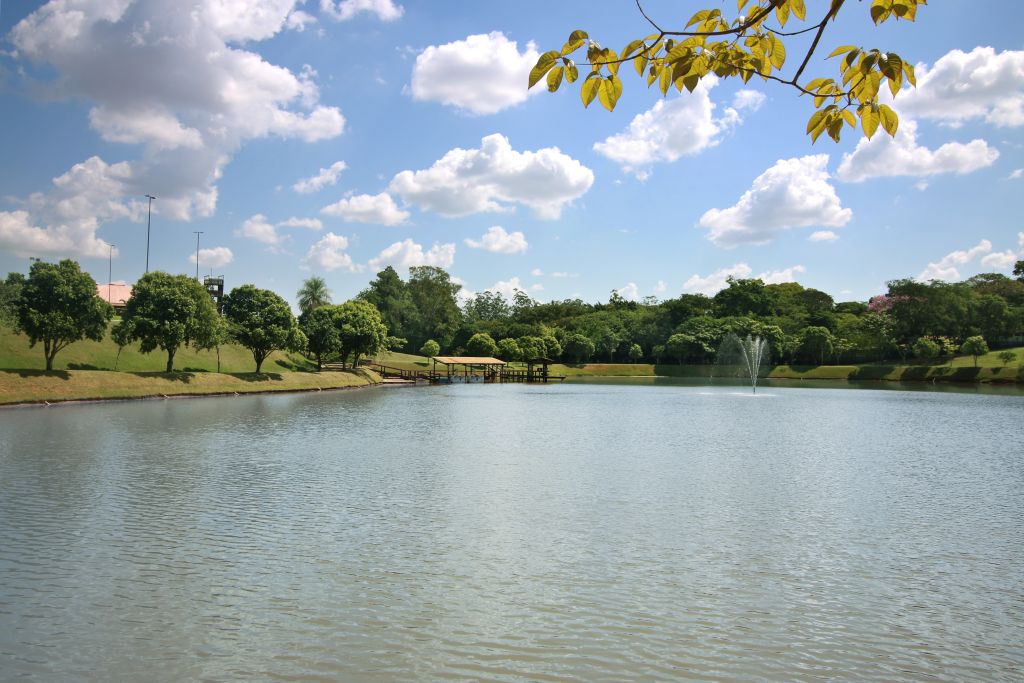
(467, 373)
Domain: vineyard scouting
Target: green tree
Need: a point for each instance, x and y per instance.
(392, 297)
(10, 293)
(262, 322)
(167, 312)
(926, 349)
(990, 316)
(1007, 356)
(816, 343)
(751, 44)
(481, 344)
(974, 346)
(681, 346)
(486, 306)
(552, 347)
(434, 295)
(322, 336)
(313, 293)
(430, 348)
(361, 329)
(1018, 270)
(57, 305)
(635, 352)
(508, 349)
(531, 347)
(745, 298)
(578, 348)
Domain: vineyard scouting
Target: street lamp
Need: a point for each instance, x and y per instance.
(197, 234)
(149, 222)
(110, 271)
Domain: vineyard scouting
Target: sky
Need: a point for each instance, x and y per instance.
(336, 137)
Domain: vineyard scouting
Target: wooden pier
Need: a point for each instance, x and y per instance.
(470, 369)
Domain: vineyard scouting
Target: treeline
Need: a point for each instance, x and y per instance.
(802, 325)
(57, 305)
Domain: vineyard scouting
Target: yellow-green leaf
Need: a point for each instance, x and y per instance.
(576, 40)
(869, 121)
(544, 64)
(841, 50)
(555, 78)
(908, 69)
(798, 8)
(588, 91)
(890, 121)
(850, 119)
(609, 91)
(778, 55)
(571, 73)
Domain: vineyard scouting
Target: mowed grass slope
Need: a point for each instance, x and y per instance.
(84, 370)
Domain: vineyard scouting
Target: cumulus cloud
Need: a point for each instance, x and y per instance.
(344, 10)
(1004, 260)
(968, 85)
(326, 176)
(258, 228)
(329, 254)
(379, 209)
(794, 193)
(946, 268)
(536, 272)
(683, 126)
(493, 177)
(406, 254)
(497, 240)
(661, 287)
(631, 292)
(481, 74)
(170, 78)
(507, 288)
(715, 282)
(1016, 174)
(217, 257)
(823, 236)
(883, 156)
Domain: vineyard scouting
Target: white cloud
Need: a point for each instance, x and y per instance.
(823, 236)
(507, 288)
(776, 277)
(563, 274)
(494, 176)
(344, 10)
(968, 85)
(661, 287)
(631, 292)
(883, 156)
(481, 74)
(536, 272)
(406, 254)
(299, 20)
(326, 176)
(946, 267)
(170, 78)
(1016, 174)
(308, 223)
(217, 257)
(329, 254)
(1004, 260)
(378, 209)
(716, 281)
(683, 126)
(794, 193)
(500, 242)
(257, 228)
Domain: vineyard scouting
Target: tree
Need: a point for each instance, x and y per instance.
(1007, 356)
(680, 346)
(393, 299)
(322, 335)
(10, 293)
(486, 306)
(531, 348)
(816, 343)
(974, 346)
(751, 44)
(745, 298)
(361, 329)
(578, 348)
(635, 352)
(57, 305)
(481, 344)
(552, 347)
(1018, 270)
(167, 312)
(433, 294)
(926, 349)
(313, 294)
(508, 349)
(430, 348)
(262, 322)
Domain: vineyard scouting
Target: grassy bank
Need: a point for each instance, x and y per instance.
(85, 370)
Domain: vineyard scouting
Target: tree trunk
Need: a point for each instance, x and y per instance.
(319, 364)
(259, 362)
(170, 360)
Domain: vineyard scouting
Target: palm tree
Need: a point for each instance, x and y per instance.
(313, 294)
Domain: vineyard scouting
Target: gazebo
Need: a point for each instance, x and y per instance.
(486, 368)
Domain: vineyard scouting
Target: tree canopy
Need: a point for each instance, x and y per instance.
(751, 44)
(57, 305)
(167, 312)
(262, 322)
(360, 329)
(313, 293)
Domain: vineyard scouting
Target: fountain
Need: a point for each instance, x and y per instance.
(744, 358)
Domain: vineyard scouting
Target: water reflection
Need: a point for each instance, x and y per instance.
(593, 532)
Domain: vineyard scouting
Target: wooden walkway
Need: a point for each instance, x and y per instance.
(513, 375)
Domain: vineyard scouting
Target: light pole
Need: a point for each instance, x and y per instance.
(110, 271)
(197, 234)
(149, 222)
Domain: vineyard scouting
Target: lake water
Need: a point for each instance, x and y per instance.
(485, 532)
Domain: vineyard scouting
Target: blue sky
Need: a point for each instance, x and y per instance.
(334, 137)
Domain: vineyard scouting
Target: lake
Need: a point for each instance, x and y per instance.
(590, 532)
